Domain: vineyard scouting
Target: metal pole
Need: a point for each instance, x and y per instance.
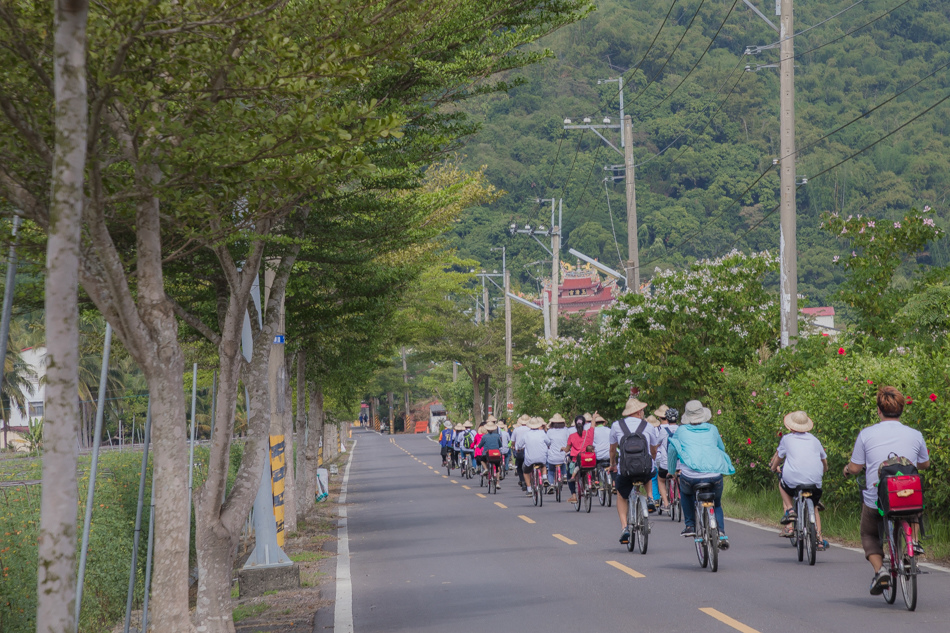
(91, 490)
(214, 392)
(405, 379)
(633, 247)
(191, 449)
(7, 308)
(138, 521)
(547, 316)
(787, 237)
(509, 403)
(623, 134)
(555, 272)
(148, 556)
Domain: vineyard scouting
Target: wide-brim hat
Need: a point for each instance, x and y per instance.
(523, 418)
(633, 406)
(491, 418)
(798, 421)
(599, 418)
(491, 426)
(535, 423)
(653, 421)
(660, 412)
(557, 418)
(459, 427)
(588, 417)
(468, 424)
(695, 413)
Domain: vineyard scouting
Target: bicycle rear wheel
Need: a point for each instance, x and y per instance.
(631, 525)
(702, 545)
(713, 546)
(811, 533)
(579, 494)
(906, 566)
(800, 536)
(643, 527)
(602, 492)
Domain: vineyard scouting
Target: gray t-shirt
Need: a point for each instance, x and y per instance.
(650, 433)
(876, 443)
(803, 454)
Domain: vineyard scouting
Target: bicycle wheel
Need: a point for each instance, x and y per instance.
(540, 490)
(713, 538)
(702, 545)
(602, 492)
(811, 533)
(579, 494)
(557, 488)
(631, 525)
(906, 566)
(535, 493)
(887, 538)
(588, 492)
(448, 467)
(643, 527)
(481, 480)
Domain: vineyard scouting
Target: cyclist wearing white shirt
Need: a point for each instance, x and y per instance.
(556, 456)
(875, 444)
(666, 430)
(601, 439)
(805, 464)
(535, 444)
(633, 414)
(520, 429)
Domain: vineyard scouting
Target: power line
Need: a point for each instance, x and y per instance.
(708, 46)
(610, 214)
(828, 19)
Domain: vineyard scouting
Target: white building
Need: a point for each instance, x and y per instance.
(820, 320)
(35, 358)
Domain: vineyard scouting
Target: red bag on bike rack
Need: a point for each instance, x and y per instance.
(900, 494)
(494, 455)
(588, 459)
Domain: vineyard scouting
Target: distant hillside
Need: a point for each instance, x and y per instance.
(688, 189)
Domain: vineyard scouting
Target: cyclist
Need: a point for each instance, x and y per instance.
(490, 441)
(875, 444)
(631, 423)
(479, 454)
(505, 444)
(666, 430)
(516, 435)
(601, 440)
(696, 453)
(457, 445)
(535, 443)
(577, 442)
(558, 436)
(468, 441)
(805, 463)
(445, 441)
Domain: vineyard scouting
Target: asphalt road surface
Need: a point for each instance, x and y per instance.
(431, 553)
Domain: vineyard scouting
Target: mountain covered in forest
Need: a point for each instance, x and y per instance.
(706, 129)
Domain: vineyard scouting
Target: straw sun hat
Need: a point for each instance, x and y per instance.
(798, 421)
(634, 405)
(535, 423)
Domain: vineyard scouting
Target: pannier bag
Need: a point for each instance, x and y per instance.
(494, 455)
(899, 490)
(588, 459)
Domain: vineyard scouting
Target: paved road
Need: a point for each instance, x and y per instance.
(427, 554)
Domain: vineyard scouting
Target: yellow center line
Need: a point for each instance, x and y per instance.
(445, 476)
(431, 468)
(466, 487)
(561, 537)
(425, 464)
(478, 494)
(453, 481)
(625, 569)
(725, 619)
(525, 519)
(501, 505)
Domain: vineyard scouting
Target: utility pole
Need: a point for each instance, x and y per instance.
(509, 403)
(405, 380)
(788, 242)
(7, 307)
(484, 298)
(455, 371)
(633, 247)
(550, 307)
(555, 269)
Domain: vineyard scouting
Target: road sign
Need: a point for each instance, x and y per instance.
(279, 339)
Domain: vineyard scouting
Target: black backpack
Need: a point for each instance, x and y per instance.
(635, 460)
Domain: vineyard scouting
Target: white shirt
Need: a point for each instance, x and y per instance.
(803, 454)
(558, 439)
(664, 431)
(602, 442)
(649, 432)
(875, 444)
(505, 438)
(517, 434)
(535, 444)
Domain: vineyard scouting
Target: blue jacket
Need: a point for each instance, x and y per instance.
(490, 441)
(446, 438)
(699, 447)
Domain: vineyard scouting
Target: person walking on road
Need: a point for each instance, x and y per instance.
(631, 424)
(697, 453)
(875, 444)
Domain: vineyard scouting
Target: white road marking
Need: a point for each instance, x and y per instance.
(343, 614)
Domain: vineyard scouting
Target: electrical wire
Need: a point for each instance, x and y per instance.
(828, 19)
(708, 46)
(610, 214)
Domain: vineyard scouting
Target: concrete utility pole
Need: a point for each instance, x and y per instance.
(509, 402)
(405, 381)
(484, 300)
(555, 264)
(788, 243)
(392, 417)
(633, 247)
(455, 371)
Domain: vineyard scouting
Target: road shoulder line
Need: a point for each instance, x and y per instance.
(343, 614)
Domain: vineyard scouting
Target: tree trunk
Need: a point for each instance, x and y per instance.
(476, 401)
(56, 572)
(307, 476)
(290, 499)
(330, 447)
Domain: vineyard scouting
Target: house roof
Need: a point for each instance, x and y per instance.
(820, 311)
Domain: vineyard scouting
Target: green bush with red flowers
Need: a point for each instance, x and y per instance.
(837, 387)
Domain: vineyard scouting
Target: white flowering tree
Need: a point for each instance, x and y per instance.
(667, 342)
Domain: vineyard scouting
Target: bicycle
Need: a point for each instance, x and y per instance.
(638, 520)
(805, 532)
(585, 493)
(605, 485)
(558, 481)
(493, 471)
(676, 505)
(537, 492)
(707, 530)
(468, 471)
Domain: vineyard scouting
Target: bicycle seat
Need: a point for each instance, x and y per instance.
(705, 492)
(806, 490)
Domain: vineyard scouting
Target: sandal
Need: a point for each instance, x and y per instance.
(788, 531)
(822, 544)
